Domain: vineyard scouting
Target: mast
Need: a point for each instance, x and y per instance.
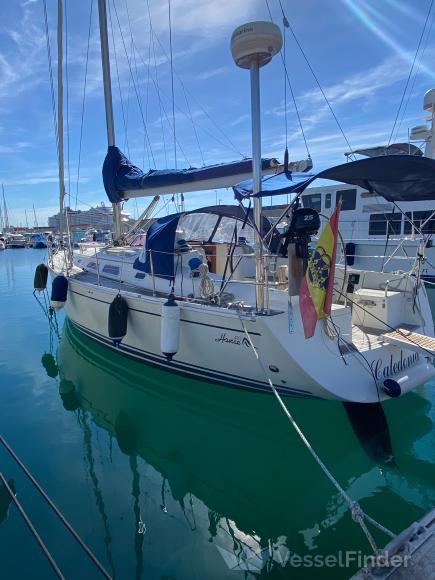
(27, 221)
(2, 225)
(34, 216)
(104, 41)
(60, 115)
(253, 45)
(5, 211)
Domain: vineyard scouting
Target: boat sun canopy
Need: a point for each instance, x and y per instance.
(123, 180)
(160, 257)
(394, 177)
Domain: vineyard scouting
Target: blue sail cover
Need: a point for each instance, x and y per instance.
(119, 175)
(394, 177)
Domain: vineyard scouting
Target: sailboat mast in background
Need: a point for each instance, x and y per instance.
(5, 211)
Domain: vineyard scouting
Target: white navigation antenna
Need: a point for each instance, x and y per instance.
(253, 45)
(424, 132)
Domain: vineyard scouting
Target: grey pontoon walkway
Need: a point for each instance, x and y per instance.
(414, 552)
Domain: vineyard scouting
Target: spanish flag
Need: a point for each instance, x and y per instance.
(315, 297)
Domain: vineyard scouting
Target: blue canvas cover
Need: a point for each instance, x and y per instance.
(159, 247)
(394, 177)
(160, 238)
(119, 175)
(281, 183)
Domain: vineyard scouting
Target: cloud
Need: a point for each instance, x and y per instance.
(212, 72)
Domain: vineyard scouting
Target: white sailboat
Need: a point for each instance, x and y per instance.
(230, 300)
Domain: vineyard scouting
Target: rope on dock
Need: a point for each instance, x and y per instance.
(32, 529)
(55, 509)
(358, 515)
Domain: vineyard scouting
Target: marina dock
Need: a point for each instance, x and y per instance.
(411, 554)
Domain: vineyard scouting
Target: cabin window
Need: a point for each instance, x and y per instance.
(92, 265)
(378, 224)
(108, 269)
(419, 218)
(314, 201)
(140, 275)
(328, 198)
(348, 197)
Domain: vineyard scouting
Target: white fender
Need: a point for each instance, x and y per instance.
(170, 328)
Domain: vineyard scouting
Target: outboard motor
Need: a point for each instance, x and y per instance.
(304, 223)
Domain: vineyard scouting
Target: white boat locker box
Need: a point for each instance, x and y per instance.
(386, 308)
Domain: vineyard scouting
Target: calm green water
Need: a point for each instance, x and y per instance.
(170, 478)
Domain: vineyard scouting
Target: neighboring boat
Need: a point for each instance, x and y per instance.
(15, 241)
(382, 234)
(2, 245)
(223, 268)
(38, 241)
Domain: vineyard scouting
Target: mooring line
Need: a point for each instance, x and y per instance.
(358, 515)
(32, 529)
(55, 509)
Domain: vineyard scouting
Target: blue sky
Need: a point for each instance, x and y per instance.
(361, 50)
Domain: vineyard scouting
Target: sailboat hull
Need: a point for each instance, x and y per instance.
(214, 348)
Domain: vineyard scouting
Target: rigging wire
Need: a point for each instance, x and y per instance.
(172, 82)
(124, 119)
(83, 102)
(134, 83)
(68, 165)
(157, 86)
(132, 55)
(287, 81)
(50, 70)
(411, 70)
(193, 98)
(159, 92)
(316, 79)
(417, 70)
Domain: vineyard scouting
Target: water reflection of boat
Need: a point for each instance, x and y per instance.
(252, 482)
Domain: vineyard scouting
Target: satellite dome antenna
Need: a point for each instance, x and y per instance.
(253, 45)
(423, 132)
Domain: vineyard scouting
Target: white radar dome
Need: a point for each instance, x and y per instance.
(255, 43)
(429, 100)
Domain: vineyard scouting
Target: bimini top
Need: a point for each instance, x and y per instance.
(160, 255)
(123, 180)
(394, 177)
